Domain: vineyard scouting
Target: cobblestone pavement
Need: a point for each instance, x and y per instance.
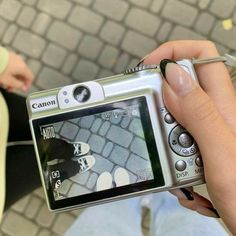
(68, 41)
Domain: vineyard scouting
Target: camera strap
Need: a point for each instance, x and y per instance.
(229, 60)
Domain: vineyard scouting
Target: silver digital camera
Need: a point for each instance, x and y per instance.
(109, 139)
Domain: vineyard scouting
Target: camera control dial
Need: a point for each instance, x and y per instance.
(141, 68)
(181, 142)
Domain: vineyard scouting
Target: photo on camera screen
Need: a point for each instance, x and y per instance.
(102, 150)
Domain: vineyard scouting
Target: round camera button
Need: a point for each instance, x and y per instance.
(198, 161)
(185, 140)
(65, 93)
(66, 101)
(169, 119)
(180, 165)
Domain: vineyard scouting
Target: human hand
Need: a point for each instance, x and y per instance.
(209, 114)
(16, 76)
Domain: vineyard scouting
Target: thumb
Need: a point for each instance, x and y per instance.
(192, 107)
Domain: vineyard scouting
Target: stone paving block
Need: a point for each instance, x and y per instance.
(64, 189)
(86, 19)
(222, 9)
(104, 73)
(222, 49)
(33, 207)
(119, 155)
(77, 212)
(77, 189)
(190, 1)
(204, 23)
(141, 3)
(69, 130)
(62, 223)
(64, 35)
(3, 26)
(57, 126)
(29, 44)
(180, 32)
(83, 135)
(86, 3)
(69, 63)
(90, 47)
(44, 232)
(137, 44)
(9, 9)
(26, 17)
(133, 62)
(107, 149)
(125, 122)
(96, 125)
(21, 204)
(96, 143)
(9, 34)
(54, 55)
(41, 23)
(219, 34)
(102, 164)
(203, 4)
(49, 78)
(164, 31)
(104, 128)
(85, 70)
(110, 8)
(92, 180)
(39, 192)
(57, 8)
(234, 17)
(86, 122)
(136, 127)
(172, 9)
(142, 21)
(112, 32)
(156, 6)
(139, 147)
(136, 163)
(15, 224)
(115, 118)
(122, 63)
(81, 178)
(29, 2)
(119, 136)
(34, 66)
(108, 56)
(44, 217)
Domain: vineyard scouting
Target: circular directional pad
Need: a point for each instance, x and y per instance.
(181, 142)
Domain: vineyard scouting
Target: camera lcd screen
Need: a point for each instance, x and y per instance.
(97, 153)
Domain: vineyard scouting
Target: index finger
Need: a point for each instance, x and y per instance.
(213, 78)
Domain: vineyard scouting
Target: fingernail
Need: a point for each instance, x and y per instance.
(142, 60)
(163, 65)
(178, 79)
(187, 194)
(208, 211)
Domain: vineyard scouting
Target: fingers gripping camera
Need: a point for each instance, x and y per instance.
(109, 139)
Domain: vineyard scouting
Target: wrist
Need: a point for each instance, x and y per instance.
(4, 59)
